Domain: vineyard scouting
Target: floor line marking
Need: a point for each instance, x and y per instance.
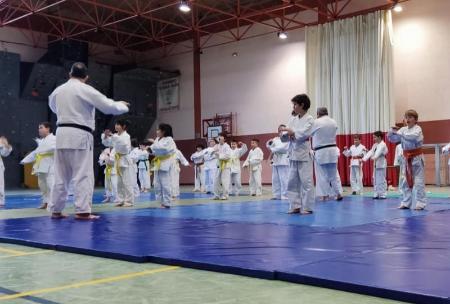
(11, 251)
(89, 283)
(25, 254)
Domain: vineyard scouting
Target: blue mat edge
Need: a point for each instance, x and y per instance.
(253, 273)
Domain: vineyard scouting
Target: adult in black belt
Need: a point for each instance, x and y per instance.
(326, 154)
(74, 103)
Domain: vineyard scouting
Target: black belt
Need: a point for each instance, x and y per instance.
(76, 126)
(145, 163)
(323, 147)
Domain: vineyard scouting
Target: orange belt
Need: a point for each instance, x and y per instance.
(409, 155)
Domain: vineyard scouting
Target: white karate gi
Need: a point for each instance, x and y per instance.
(144, 170)
(175, 172)
(411, 139)
(326, 154)
(4, 152)
(378, 155)
(210, 168)
(280, 167)
(164, 150)
(134, 155)
(126, 174)
(300, 183)
(75, 102)
(199, 174)
(398, 162)
(222, 179)
(356, 174)
(235, 178)
(110, 174)
(254, 162)
(43, 158)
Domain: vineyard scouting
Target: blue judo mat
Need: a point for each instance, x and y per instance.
(358, 245)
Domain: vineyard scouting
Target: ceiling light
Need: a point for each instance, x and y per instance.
(398, 8)
(184, 6)
(282, 35)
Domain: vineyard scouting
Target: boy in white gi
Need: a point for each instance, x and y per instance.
(74, 104)
(298, 131)
(222, 180)
(175, 172)
(237, 151)
(356, 153)
(5, 150)
(378, 155)
(143, 166)
(411, 138)
(280, 165)
(43, 160)
(106, 160)
(198, 160)
(210, 168)
(164, 149)
(254, 163)
(121, 143)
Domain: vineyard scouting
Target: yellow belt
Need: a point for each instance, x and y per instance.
(156, 162)
(108, 171)
(40, 157)
(223, 163)
(117, 158)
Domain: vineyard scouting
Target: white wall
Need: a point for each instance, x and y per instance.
(258, 84)
(422, 59)
(14, 41)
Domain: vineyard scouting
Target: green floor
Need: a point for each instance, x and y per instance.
(57, 277)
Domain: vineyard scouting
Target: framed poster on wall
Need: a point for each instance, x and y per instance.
(168, 91)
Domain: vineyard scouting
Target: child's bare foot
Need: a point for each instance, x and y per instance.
(58, 216)
(86, 217)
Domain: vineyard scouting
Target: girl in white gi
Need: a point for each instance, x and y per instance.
(356, 153)
(134, 155)
(280, 165)
(5, 150)
(106, 160)
(411, 138)
(43, 160)
(222, 180)
(378, 155)
(298, 131)
(124, 164)
(237, 151)
(210, 168)
(144, 168)
(164, 149)
(198, 160)
(175, 172)
(254, 163)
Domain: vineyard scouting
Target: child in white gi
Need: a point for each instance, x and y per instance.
(199, 162)
(378, 155)
(298, 131)
(124, 164)
(143, 166)
(254, 163)
(356, 153)
(210, 168)
(43, 158)
(411, 139)
(164, 149)
(175, 172)
(222, 180)
(110, 176)
(237, 151)
(5, 151)
(280, 165)
(134, 155)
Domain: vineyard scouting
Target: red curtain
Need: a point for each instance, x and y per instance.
(367, 141)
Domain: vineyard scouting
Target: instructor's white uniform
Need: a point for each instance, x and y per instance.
(43, 158)
(4, 152)
(74, 103)
(326, 153)
(280, 167)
